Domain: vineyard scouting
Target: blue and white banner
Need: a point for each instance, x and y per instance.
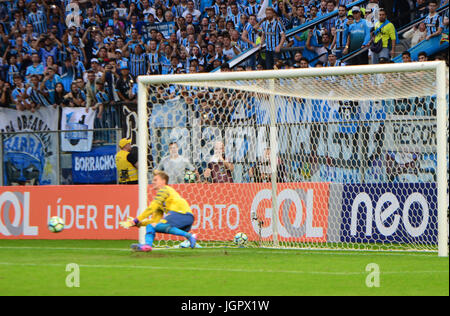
(97, 166)
(30, 155)
(166, 28)
(389, 212)
(77, 120)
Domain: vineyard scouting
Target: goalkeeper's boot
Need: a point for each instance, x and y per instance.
(141, 248)
(193, 240)
(134, 247)
(145, 248)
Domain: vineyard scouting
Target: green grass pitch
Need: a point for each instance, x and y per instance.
(38, 268)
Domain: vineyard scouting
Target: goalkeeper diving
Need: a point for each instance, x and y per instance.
(168, 213)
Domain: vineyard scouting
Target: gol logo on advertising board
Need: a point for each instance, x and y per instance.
(15, 214)
(286, 199)
(297, 215)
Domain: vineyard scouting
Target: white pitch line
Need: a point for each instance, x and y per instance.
(63, 248)
(256, 250)
(221, 269)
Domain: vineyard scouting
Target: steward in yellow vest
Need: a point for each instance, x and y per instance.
(126, 162)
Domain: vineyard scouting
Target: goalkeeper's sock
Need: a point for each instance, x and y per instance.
(150, 235)
(166, 228)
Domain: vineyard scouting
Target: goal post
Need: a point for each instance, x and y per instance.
(338, 157)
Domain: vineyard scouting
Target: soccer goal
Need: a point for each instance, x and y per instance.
(321, 158)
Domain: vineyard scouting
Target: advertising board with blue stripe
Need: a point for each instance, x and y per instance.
(389, 212)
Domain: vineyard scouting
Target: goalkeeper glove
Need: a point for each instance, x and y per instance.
(128, 223)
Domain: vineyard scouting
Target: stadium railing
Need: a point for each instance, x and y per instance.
(292, 32)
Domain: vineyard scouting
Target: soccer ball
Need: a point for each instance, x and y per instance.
(240, 239)
(56, 224)
(189, 177)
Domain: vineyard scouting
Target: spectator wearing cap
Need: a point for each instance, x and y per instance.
(358, 37)
(124, 86)
(126, 163)
(120, 60)
(96, 68)
(210, 14)
(333, 61)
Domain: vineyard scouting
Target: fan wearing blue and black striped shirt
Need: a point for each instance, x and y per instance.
(433, 21)
(273, 36)
(38, 19)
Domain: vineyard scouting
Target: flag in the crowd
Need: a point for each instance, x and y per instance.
(262, 10)
(77, 121)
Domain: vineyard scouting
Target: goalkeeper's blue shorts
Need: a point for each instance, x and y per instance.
(179, 220)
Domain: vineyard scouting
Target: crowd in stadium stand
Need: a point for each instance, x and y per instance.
(83, 53)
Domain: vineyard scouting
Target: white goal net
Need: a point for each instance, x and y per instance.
(344, 157)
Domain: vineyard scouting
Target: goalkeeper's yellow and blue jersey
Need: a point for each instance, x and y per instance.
(167, 199)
